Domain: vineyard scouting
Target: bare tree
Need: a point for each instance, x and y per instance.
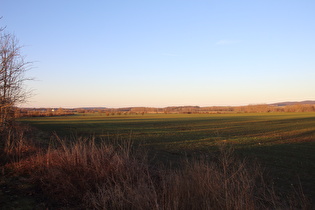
(12, 78)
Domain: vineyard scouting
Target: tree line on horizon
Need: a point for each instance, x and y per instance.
(260, 108)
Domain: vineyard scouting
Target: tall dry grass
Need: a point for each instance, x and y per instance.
(83, 174)
(226, 182)
(16, 144)
(73, 172)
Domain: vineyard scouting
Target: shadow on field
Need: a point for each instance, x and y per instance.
(288, 164)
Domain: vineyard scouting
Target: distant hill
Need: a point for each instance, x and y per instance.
(91, 108)
(293, 103)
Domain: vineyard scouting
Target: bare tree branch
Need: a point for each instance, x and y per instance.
(12, 76)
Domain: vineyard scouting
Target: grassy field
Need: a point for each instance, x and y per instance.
(284, 143)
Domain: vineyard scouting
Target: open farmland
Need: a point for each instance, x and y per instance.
(284, 143)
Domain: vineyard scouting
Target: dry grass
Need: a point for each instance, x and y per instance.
(103, 176)
(224, 183)
(77, 172)
(16, 144)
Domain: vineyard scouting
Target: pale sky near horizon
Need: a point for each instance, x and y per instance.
(161, 53)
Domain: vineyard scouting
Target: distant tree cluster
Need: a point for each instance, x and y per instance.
(261, 108)
(270, 108)
(42, 112)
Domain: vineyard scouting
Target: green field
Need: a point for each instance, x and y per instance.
(284, 143)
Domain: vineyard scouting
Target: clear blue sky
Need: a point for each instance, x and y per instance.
(165, 52)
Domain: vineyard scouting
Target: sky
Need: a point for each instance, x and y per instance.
(158, 53)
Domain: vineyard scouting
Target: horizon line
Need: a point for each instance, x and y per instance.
(157, 107)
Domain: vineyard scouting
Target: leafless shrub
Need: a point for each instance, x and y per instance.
(12, 77)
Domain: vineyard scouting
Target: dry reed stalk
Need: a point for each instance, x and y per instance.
(84, 174)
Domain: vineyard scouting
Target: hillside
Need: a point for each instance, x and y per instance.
(288, 103)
